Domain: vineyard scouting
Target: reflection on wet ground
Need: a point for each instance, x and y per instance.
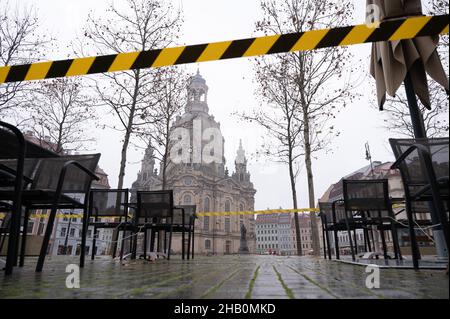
(220, 277)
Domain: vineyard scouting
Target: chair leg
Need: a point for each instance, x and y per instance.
(193, 238)
(182, 243)
(83, 237)
(122, 243)
(46, 240)
(145, 242)
(94, 243)
(24, 236)
(412, 235)
(324, 244)
(328, 244)
(383, 242)
(165, 242)
(336, 244)
(170, 243)
(115, 243)
(152, 240)
(189, 241)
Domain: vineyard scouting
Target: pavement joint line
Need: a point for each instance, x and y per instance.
(184, 286)
(315, 283)
(248, 295)
(348, 283)
(287, 290)
(397, 287)
(214, 288)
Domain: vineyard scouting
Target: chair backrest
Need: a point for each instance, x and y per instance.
(189, 213)
(9, 167)
(154, 204)
(339, 211)
(412, 169)
(326, 212)
(76, 180)
(366, 195)
(108, 203)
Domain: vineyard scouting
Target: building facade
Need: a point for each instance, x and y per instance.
(198, 176)
(276, 234)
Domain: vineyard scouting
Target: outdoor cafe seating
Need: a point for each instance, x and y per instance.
(110, 203)
(365, 205)
(154, 212)
(184, 221)
(424, 167)
(55, 182)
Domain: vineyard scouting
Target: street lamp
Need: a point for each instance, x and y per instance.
(369, 158)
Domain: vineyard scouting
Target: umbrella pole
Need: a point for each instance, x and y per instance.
(419, 132)
(414, 111)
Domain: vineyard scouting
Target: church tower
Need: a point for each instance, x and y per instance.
(147, 165)
(240, 165)
(197, 95)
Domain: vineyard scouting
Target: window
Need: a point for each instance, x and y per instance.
(187, 199)
(227, 205)
(241, 207)
(30, 227)
(206, 206)
(206, 223)
(72, 232)
(63, 231)
(227, 224)
(207, 244)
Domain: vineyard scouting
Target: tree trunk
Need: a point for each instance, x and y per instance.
(310, 178)
(126, 142)
(294, 201)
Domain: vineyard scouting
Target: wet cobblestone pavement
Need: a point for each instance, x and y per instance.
(220, 278)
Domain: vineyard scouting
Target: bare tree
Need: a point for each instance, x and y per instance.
(318, 83)
(59, 111)
(171, 97)
(279, 120)
(20, 42)
(397, 118)
(142, 25)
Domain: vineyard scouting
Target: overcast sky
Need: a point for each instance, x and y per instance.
(231, 89)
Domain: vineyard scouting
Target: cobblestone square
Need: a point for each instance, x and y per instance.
(223, 277)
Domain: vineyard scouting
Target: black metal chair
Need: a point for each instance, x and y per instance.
(104, 203)
(183, 221)
(59, 183)
(154, 211)
(424, 167)
(334, 219)
(8, 176)
(368, 204)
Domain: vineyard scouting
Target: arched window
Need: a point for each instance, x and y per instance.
(227, 205)
(206, 223)
(206, 206)
(187, 199)
(241, 207)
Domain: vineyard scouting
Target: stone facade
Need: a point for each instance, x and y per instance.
(199, 181)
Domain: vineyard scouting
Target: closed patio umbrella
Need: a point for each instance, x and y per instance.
(408, 61)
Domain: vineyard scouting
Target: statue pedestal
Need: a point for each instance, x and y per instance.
(243, 249)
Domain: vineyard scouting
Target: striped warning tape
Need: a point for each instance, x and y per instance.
(202, 214)
(387, 31)
(259, 212)
(2, 215)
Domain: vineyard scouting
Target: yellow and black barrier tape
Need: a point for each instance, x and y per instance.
(260, 212)
(397, 29)
(201, 214)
